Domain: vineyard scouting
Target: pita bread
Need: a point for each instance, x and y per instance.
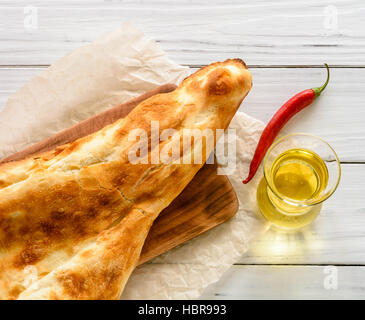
(73, 220)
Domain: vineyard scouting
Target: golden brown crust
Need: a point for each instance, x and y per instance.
(73, 220)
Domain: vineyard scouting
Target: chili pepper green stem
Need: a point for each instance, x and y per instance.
(317, 91)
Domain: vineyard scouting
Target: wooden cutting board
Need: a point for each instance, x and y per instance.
(206, 202)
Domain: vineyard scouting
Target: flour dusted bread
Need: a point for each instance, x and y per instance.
(73, 220)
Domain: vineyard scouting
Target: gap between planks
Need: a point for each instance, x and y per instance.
(253, 66)
(299, 264)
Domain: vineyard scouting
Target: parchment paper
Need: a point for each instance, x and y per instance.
(109, 71)
(113, 69)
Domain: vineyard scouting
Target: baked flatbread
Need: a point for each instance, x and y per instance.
(73, 220)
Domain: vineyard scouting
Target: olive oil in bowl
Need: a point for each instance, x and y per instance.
(301, 171)
(295, 177)
(299, 174)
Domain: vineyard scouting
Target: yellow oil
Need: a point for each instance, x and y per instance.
(295, 175)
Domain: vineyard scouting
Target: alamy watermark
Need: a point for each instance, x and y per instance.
(330, 281)
(330, 21)
(30, 276)
(188, 146)
(30, 18)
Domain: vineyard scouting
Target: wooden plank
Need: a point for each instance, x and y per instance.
(337, 116)
(289, 282)
(12, 79)
(266, 32)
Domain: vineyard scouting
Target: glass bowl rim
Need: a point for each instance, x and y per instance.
(302, 203)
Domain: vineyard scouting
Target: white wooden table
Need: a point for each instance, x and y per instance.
(284, 44)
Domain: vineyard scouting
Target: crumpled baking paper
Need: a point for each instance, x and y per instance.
(113, 69)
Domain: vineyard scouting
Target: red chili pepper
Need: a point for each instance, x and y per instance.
(278, 121)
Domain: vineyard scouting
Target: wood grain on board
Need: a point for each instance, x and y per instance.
(206, 202)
